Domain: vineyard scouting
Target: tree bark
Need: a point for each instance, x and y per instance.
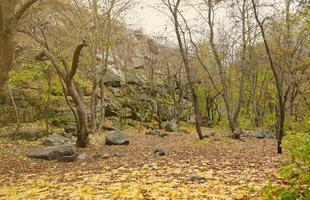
(82, 137)
(278, 83)
(10, 16)
(174, 11)
(67, 77)
(232, 123)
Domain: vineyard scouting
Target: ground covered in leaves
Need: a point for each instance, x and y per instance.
(215, 168)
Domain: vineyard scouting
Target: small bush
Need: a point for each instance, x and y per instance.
(296, 172)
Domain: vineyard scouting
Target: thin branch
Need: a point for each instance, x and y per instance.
(23, 8)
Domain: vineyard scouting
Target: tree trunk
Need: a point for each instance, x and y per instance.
(184, 54)
(93, 113)
(102, 107)
(280, 126)
(7, 44)
(82, 137)
(232, 123)
(73, 89)
(278, 83)
(10, 15)
(7, 54)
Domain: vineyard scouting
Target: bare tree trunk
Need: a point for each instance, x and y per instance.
(47, 107)
(68, 102)
(10, 15)
(102, 107)
(278, 83)
(93, 112)
(174, 9)
(67, 77)
(82, 137)
(232, 123)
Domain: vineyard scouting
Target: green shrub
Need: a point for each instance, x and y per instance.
(296, 172)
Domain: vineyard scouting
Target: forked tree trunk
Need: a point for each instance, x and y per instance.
(67, 77)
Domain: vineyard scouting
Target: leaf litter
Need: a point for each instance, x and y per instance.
(228, 169)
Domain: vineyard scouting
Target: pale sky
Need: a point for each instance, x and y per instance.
(155, 23)
(145, 17)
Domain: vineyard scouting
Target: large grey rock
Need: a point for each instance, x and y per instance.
(138, 61)
(116, 138)
(171, 126)
(56, 140)
(52, 153)
(264, 134)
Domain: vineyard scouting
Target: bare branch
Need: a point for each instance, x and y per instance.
(45, 53)
(23, 8)
(75, 59)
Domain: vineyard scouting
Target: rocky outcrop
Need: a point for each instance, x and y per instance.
(28, 134)
(133, 77)
(114, 76)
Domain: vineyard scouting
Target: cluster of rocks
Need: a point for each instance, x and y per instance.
(61, 148)
(116, 77)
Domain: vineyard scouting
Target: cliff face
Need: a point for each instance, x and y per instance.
(140, 84)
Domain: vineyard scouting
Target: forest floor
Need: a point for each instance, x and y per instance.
(215, 168)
